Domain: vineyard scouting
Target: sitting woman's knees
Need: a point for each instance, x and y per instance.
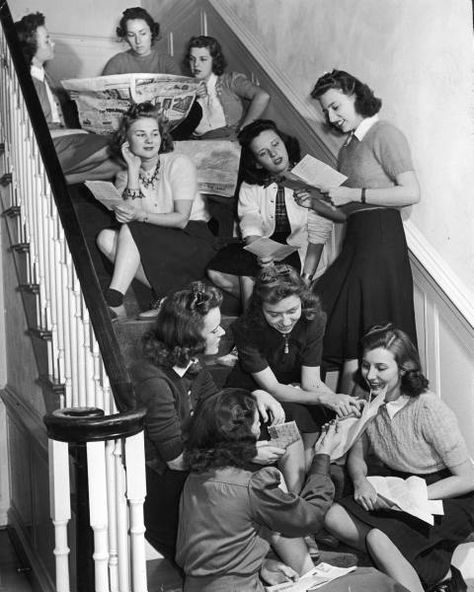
(334, 517)
(377, 540)
(106, 240)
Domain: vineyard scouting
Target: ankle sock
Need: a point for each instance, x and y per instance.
(113, 297)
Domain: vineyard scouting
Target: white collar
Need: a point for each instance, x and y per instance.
(37, 72)
(364, 126)
(180, 371)
(211, 82)
(393, 407)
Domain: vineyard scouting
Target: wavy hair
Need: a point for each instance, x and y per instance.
(412, 380)
(251, 172)
(176, 338)
(273, 285)
(136, 112)
(219, 62)
(366, 103)
(137, 12)
(219, 434)
(26, 30)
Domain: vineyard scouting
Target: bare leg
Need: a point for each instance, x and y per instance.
(292, 465)
(246, 288)
(226, 281)
(120, 248)
(293, 552)
(346, 528)
(388, 559)
(346, 381)
(309, 440)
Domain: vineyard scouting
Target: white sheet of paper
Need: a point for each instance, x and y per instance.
(266, 247)
(317, 173)
(105, 192)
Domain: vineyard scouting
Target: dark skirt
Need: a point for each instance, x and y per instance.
(235, 260)
(428, 548)
(74, 149)
(308, 418)
(171, 257)
(369, 283)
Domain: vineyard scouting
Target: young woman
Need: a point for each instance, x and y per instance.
(279, 342)
(267, 209)
(138, 29)
(164, 240)
(170, 382)
(230, 512)
(370, 282)
(82, 155)
(222, 94)
(414, 433)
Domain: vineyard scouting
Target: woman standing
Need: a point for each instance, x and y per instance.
(164, 240)
(370, 282)
(170, 382)
(138, 29)
(414, 433)
(267, 209)
(222, 94)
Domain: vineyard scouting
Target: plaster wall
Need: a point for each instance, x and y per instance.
(418, 57)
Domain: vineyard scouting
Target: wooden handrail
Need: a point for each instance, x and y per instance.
(99, 314)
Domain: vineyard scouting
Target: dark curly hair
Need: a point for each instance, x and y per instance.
(219, 434)
(137, 12)
(366, 103)
(249, 169)
(273, 285)
(136, 112)
(26, 30)
(176, 337)
(396, 341)
(215, 50)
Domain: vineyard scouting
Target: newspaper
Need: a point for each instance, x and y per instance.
(318, 576)
(217, 163)
(102, 101)
(406, 495)
(350, 428)
(266, 247)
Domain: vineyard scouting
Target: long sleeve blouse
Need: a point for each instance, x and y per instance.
(227, 514)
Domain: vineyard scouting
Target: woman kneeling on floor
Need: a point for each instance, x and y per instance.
(164, 240)
(413, 433)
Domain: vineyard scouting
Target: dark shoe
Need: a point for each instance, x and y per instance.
(152, 313)
(117, 313)
(455, 583)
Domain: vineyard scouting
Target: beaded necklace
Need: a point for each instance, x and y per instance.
(149, 180)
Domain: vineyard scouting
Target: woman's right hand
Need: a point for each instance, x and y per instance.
(201, 90)
(132, 161)
(328, 439)
(365, 495)
(302, 198)
(127, 212)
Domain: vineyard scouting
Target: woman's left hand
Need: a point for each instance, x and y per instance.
(341, 195)
(128, 212)
(267, 454)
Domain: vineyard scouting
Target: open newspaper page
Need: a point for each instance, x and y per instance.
(318, 576)
(407, 495)
(217, 163)
(102, 101)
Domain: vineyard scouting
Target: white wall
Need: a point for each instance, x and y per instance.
(84, 32)
(418, 56)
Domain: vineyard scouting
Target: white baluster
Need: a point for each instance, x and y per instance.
(111, 505)
(136, 492)
(98, 512)
(122, 520)
(60, 509)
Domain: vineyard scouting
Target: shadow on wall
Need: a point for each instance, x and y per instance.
(66, 63)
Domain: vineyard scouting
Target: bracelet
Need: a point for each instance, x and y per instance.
(363, 197)
(132, 193)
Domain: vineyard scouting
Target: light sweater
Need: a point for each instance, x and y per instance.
(423, 437)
